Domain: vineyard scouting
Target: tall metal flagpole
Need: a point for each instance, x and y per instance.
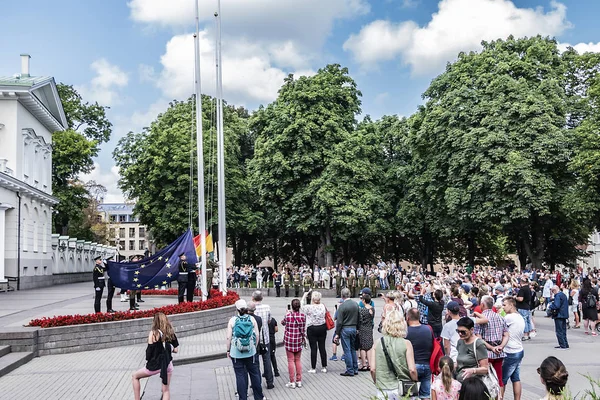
(200, 154)
(220, 160)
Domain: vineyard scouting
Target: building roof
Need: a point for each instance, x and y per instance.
(25, 81)
(116, 207)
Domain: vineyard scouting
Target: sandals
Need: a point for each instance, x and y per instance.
(365, 368)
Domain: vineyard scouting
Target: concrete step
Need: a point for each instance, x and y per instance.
(4, 350)
(12, 361)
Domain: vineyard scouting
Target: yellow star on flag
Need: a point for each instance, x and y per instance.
(160, 257)
(164, 283)
(142, 266)
(137, 272)
(138, 285)
(167, 259)
(135, 279)
(168, 265)
(145, 287)
(169, 275)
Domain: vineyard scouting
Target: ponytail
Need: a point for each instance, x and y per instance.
(447, 366)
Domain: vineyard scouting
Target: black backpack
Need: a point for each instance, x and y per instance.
(591, 300)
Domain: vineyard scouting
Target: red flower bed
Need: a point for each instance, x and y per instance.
(216, 301)
(167, 292)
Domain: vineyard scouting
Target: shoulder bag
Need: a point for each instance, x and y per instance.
(490, 380)
(408, 388)
(329, 320)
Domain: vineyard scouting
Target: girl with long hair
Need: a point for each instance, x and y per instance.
(445, 387)
(162, 342)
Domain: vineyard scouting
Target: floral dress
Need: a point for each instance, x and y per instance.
(440, 391)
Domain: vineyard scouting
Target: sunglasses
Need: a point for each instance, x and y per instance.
(462, 332)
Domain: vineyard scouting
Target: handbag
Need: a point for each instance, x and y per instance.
(405, 388)
(436, 354)
(490, 380)
(329, 323)
(262, 347)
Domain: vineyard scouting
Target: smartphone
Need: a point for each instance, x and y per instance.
(336, 306)
(289, 307)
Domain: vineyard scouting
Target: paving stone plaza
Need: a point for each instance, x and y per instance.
(106, 373)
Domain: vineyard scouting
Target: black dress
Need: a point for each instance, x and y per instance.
(589, 313)
(365, 331)
(158, 356)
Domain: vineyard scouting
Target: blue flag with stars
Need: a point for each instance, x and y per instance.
(156, 270)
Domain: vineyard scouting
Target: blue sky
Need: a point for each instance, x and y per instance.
(136, 55)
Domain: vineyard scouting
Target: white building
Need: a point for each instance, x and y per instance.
(30, 110)
(124, 229)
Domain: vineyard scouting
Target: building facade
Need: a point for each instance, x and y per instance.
(124, 230)
(30, 110)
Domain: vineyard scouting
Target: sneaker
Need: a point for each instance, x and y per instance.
(343, 358)
(276, 375)
(333, 358)
(298, 384)
(312, 371)
(291, 385)
(324, 370)
(271, 386)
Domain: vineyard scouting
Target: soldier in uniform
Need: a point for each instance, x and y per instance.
(361, 280)
(307, 281)
(338, 284)
(182, 278)
(286, 282)
(98, 276)
(297, 283)
(373, 284)
(191, 282)
(111, 291)
(277, 281)
(352, 283)
(209, 278)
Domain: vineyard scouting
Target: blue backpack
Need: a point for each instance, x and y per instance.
(243, 337)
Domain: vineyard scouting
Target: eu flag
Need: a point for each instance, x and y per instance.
(156, 270)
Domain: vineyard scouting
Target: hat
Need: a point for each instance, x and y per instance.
(366, 291)
(182, 254)
(453, 306)
(97, 258)
(240, 304)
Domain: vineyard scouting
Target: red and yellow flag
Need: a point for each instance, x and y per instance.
(209, 244)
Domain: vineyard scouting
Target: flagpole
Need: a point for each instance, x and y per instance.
(200, 154)
(220, 160)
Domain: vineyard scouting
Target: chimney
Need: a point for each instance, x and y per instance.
(25, 65)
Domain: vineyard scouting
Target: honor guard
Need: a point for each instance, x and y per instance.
(361, 280)
(338, 284)
(111, 289)
(98, 275)
(297, 284)
(277, 281)
(373, 284)
(209, 279)
(182, 278)
(307, 281)
(286, 282)
(352, 283)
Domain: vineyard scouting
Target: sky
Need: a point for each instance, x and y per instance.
(135, 56)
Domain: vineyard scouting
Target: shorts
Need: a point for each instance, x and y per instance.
(526, 314)
(151, 373)
(511, 368)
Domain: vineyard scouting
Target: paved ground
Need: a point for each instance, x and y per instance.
(105, 374)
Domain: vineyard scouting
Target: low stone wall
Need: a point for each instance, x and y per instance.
(38, 281)
(70, 339)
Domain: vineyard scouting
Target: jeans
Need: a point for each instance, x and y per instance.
(511, 367)
(317, 334)
(242, 368)
(268, 370)
(560, 326)
(526, 314)
(294, 365)
(424, 375)
(349, 347)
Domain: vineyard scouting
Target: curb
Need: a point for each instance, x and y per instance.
(205, 357)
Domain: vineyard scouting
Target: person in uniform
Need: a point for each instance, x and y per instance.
(361, 278)
(191, 282)
(338, 284)
(352, 283)
(209, 279)
(182, 278)
(98, 276)
(307, 281)
(297, 280)
(277, 281)
(373, 284)
(286, 282)
(111, 290)
(133, 306)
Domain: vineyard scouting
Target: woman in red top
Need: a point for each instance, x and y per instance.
(293, 341)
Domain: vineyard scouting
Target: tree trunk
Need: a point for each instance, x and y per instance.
(234, 245)
(275, 253)
(328, 247)
(521, 253)
(535, 249)
(471, 248)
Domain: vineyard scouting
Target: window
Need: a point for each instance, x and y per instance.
(121, 232)
(122, 218)
(142, 232)
(131, 232)
(142, 245)
(111, 233)
(113, 218)
(122, 245)
(132, 245)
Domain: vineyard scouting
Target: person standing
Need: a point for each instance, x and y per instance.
(293, 341)
(242, 334)
(109, 295)
(561, 315)
(277, 282)
(297, 282)
(338, 284)
(365, 333)
(346, 328)
(588, 298)
(182, 278)
(352, 283)
(316, 329)
(99, 284)
(264, 312)
(434, 310)
(421, 337)
(523, 306)
(286, 282)
(273, 328)
(511, 367)
(495, 334)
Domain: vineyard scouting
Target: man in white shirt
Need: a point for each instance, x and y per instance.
(511, 366)
(264, 312)
(547, 292)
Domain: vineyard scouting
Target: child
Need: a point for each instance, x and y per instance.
(445, 387)
(272, 329)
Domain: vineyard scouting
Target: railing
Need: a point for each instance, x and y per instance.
(70, 255)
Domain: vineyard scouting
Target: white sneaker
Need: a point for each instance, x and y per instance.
(312, 371)
(324, 370)
(290, 385)
(298, 384)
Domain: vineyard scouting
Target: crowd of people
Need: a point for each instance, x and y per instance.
(448, 335)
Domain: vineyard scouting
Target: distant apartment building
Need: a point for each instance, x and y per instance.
(124, 230)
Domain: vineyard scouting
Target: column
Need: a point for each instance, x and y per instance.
(3, 208)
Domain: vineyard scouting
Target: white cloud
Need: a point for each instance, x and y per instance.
(108, 179)
(382, 98)
(104, 86)
(459, 25)
(146, 73)
(581, 47)
(248, 74)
